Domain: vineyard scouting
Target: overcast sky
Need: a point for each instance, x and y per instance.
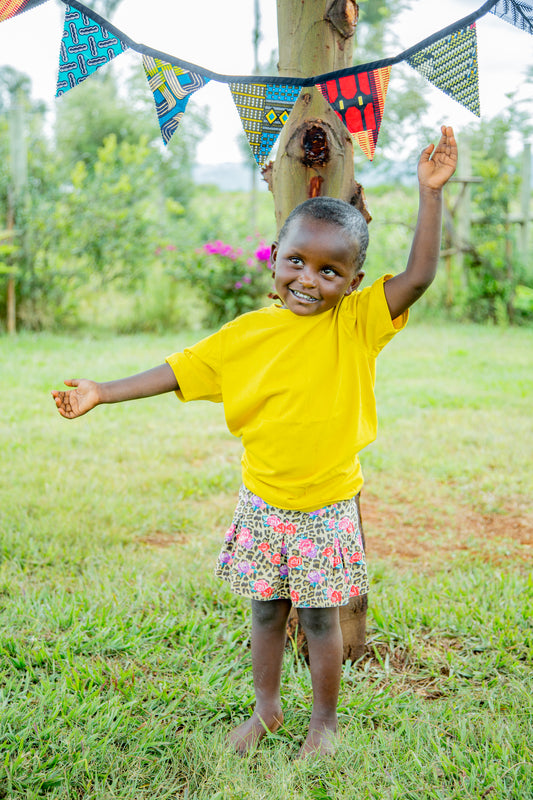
(218, 35)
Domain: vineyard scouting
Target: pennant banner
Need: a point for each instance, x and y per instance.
(448, 59)
(450, 64)
(264, 109)
(359, 100)
(171, 87)
(10, 8)
(86, 46)
(516, 12)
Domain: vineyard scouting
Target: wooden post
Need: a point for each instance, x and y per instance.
(18, 182)
(525, 200)
(315, 158)
(464, 209)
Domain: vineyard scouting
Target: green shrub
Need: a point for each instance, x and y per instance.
(231, 280)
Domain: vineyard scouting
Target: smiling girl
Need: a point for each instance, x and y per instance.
(297, 383)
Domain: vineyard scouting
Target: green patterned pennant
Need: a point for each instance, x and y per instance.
(451, 65)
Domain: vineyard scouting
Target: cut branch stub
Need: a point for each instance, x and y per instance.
(343, 15)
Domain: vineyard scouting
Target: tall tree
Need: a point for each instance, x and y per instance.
(315, 153)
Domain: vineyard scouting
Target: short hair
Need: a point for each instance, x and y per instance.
(337, 212)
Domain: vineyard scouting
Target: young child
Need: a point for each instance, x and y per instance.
(297, 383)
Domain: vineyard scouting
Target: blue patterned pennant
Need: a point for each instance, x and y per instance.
(264, 109)
(516, 12)
(86, 45)
(172, 88)
(451, 65)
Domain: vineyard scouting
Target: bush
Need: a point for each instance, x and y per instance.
(231, 280)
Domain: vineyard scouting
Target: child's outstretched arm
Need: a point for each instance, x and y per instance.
(435, 168)
(87, 394)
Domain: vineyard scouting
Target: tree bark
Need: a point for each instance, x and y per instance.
(315, 150)
(315, 158)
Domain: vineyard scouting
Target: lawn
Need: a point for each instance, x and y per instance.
(123, 662)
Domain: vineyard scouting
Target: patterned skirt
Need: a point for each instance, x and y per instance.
(315, 559)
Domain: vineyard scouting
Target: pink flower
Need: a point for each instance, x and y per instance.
(247, 279)
(244, 538)
(263, 253)
(294, 562)
(264, 546)
(261, 585)
(356, 557)
(307, 547)
(273, 520)
(276, 558)
(295, 596)
(238, 285)
(327, 552)
(345, 524)
(171, 247)
(354, 591)
(334, 596)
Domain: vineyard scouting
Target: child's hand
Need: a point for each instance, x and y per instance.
(437, 164)
(78, 401)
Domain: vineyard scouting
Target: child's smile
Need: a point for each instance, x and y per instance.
(314, 266)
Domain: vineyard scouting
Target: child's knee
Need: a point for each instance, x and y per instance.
(270, 613)
(319, 622)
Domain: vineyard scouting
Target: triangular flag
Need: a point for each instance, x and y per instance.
(10, 8)
(359, 99)
(516, 12)
(264, 109)
(171, 87)
(450, 64)
(86, 45)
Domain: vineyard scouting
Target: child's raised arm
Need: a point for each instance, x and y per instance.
(435, 168)
(87, 394)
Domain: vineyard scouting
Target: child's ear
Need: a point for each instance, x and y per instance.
(356, 282)
(273, 254)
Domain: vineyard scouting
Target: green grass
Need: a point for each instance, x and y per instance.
(123, 662)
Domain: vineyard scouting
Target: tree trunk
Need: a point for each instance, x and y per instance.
(315, 151)
(315, 158)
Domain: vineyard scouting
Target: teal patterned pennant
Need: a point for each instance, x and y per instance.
(86, 45)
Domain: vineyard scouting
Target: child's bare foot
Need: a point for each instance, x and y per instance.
(246, 736)
(321, 739)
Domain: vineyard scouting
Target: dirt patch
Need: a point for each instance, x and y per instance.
(396, 529)
(163, 539)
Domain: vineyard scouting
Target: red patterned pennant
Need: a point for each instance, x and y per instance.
(10, 8)
(359, 99)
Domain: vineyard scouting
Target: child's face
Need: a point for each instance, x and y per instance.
(314, 266)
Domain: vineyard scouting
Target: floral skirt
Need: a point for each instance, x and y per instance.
(315, 559)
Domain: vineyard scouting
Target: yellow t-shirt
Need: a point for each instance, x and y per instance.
(298, 391)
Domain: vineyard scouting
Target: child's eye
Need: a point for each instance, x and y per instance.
(329, 271)
(295, 260)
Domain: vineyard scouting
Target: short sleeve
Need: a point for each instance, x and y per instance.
(373, 319)
(198, 370)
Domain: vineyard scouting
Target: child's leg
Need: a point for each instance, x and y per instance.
(269, 621)
(324, 638)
